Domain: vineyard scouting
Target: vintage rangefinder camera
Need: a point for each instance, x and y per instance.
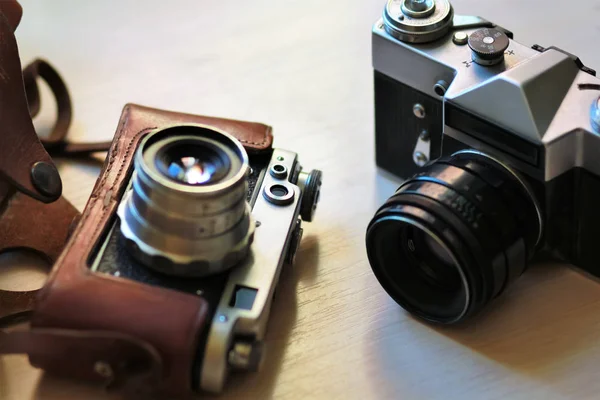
(499, 143)
(171, 272)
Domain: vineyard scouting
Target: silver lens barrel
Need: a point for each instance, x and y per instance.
(186, 213)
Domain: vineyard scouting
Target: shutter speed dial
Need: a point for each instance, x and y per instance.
(488, 46)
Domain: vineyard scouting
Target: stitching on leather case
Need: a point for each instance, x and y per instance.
(112, 158)
(126, 155)
(114, 151)
(123, 162)
(266, 135)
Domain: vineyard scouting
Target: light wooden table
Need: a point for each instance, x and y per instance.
(304, 67)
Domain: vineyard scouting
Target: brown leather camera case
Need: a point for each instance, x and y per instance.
(114, 330)
(30, 186)
(86, 325)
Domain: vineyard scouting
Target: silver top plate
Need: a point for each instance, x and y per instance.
(535, 96)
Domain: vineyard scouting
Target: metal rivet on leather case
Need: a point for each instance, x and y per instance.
(46, 179)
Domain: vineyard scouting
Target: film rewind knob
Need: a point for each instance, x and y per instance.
(488, 46)
(418, 8)
(418, 21)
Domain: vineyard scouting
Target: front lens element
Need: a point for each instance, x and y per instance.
(430, 258)
(454, 236)
(417, 279)
(191, 170)
(192, 164)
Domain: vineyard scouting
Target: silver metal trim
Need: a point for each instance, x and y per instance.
(279, 200)
(460, 38)
(278, 171)
(419, 111)
(422, 66)
(102, 250)
(261, 271)
(520, 180)
(535, 96)
(440, 88)
(469, 22)
(422, 151)
(524, 99)
(486, 62)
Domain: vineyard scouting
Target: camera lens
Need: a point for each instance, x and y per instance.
(454, 236)
(192, 164)
(417, 268)
(187, 214)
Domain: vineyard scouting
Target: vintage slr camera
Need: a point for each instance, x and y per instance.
(500, 149)
(172, 270)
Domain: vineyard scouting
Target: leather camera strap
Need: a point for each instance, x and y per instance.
(55, 143)
(33, 215)
(25, 221)
(29, 224)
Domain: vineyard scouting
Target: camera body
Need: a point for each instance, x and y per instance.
(178, 327)
(445, 83)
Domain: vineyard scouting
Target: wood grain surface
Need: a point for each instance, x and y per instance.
(305, 68)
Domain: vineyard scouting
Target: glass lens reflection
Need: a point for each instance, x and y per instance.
(191, 170)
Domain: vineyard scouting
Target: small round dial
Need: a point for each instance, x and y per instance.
(488, 46)
(418, 21)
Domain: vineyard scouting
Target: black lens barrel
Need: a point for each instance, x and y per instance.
(475, 207)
